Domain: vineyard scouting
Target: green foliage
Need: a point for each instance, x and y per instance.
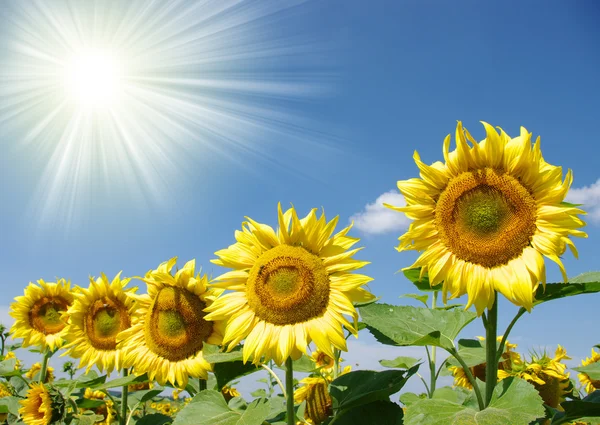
(7, 368)
(212, 354)
(592, 370)
(401, 362)
(227, 372)
(472, 351)
(404, 325)
(154, 419)
(419, 297)
(514, 402)
(119, 382)
(586, 283)
(588, 408)
(209, 408)
(385, 412)
(422, 284)
(11, 405)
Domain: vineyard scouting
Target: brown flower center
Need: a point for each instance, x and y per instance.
(105, 318)
(45, 314)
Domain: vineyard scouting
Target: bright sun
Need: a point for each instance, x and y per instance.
(93, 79)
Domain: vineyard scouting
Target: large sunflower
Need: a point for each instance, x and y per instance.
(486, 217)
(590, 384)
(98, 314)
(289, 287)
(169, 327)
(38, 313)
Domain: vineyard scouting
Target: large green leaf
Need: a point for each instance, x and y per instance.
(303, 364)
(155, 419)
(586, 283)
(588, 407)
(212, 354)
(366, 386)
(227, 372)
(7, 368)
(209, 408)
(514, 402)
(11, 403)
(386, 412)
(405, 325)
(121, 382)
(592, 370)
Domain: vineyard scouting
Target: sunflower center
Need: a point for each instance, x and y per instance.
(105, 318)
(175, 327)
(45, 314)
(486, 217)
(288, 285)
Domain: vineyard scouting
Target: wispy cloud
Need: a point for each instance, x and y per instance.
(589, 196)
(377, 219)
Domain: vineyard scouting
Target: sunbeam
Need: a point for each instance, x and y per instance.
(111, 95)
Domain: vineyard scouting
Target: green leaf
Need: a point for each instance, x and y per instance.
(586, 283)
(401, 362)
(423, 298)
(90, 379)
(365, 303)
(261, 392)
(121, 382)
(86, 419)
(143, 396)
(154, 419)
(405, 325)
(303, 364)
(514, 402)
(386, 412)
(588, 407)
(592, 370)
(227, 372)
(365, 386)
(7, 368)
(423, 283)
(472, 352)
(86, 403)
(11, 403)
(209, 408)
(409, 398)
(456, 395)
(212, 354)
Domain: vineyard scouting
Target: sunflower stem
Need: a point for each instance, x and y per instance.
(289, 386)
(202, 384)
(47, 354)
(521, 311)
(274, 375)
(432, 359)
(124, 394)
(470, 377)
(336, 363)
(491, 364)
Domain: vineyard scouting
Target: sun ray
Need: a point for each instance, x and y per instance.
(110, 96)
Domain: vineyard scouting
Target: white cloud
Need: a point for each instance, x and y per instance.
(589, 196)
(377, 219)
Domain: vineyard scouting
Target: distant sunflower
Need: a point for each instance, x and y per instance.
(169, 327)
(42, 406)
(289, 287)
(591, 385)
(508, 360)
(323, 361)
(36, 368)
(38, 313)
(229, 393)
(97, 315)
(486, 218)
(548, 376)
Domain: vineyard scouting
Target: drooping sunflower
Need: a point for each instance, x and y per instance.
(548, 376)
(35, 370)
(486, 218)
(591, 385)
(508, 360)
(169, 327)
(289, 287)
(319, 406)
(38, 313)
(42, 406)
(97, 316)
(229, 393)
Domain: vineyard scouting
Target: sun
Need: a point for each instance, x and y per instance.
(92, 78)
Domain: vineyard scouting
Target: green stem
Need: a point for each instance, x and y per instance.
(432, 360)
(429, 394)
(274, 375)
(202, 384)
(289, 386)
(47, 355)
(336, 363)
(124, 394)
(470, 377)
(491, 362)
(2, 347)
(505, 336)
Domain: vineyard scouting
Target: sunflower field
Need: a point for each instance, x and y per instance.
(169, 347)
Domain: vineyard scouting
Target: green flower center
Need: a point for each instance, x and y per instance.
(483, 210)
(288, 285)
(45, 314)
(105, 318)
(171, 323)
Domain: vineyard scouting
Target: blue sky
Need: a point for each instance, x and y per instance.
(392, 77)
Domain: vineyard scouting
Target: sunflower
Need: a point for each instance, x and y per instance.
(289, 287)
(546, 374)
(38, 313)
(33, 373)
(229, 393)
(509, 358)
(97, 315)
(319, 405)
(486, 218)
(590, 384)
(323, 361)
(42, 406)
(12, 355)
(169, 327)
